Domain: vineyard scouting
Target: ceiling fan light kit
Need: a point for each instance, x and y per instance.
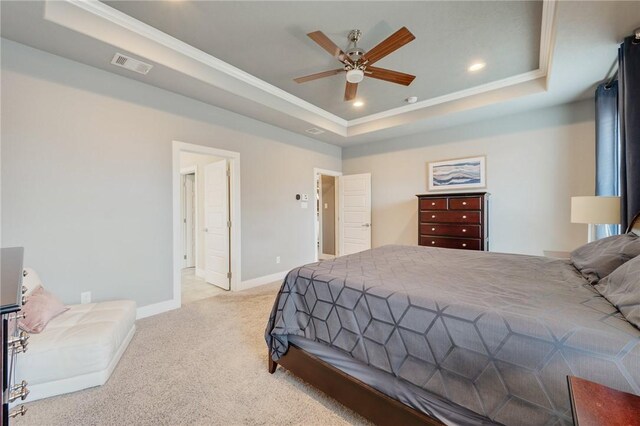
(355, 76)
(357, 63)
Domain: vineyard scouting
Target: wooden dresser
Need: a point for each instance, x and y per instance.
(459, 221)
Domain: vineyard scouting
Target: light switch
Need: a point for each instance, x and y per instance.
(305, 197)
(326, 205)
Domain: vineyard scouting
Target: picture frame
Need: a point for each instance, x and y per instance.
(457, 173)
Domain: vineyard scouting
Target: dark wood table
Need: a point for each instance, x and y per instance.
(597, 405)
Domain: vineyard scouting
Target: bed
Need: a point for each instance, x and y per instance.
(420, 335)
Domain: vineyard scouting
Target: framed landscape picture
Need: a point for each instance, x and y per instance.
(462, 173)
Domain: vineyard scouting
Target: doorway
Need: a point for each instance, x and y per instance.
(206, 202)
(188, 215)
(206, 234)
(326, 208)
(326, 213)
(342, 213)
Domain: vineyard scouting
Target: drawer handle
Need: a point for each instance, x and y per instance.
(433, 242)
(433, 204)
(433, 229)
(464, 244)
(464, 203)
(18, 412)
(464, 230)
(464, 216)
(19, 391)
(433, 216)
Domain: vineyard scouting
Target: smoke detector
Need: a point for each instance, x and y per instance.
(131, 64)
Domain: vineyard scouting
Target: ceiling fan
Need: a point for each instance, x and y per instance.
(357, 63)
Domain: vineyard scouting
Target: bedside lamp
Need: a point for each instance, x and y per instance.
(595, 211)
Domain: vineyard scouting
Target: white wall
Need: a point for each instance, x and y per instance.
(535, 162)
(87, 185)
(188, 159)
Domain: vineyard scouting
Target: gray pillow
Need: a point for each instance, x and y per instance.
(622, 289)
(598, 259)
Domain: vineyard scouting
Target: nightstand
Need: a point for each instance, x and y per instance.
(597, 405)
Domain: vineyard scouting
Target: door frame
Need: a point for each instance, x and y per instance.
(187, 171)
(233, 159)
(316, 230)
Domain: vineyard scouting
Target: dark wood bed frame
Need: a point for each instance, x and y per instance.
(350, 392)
(356, 395)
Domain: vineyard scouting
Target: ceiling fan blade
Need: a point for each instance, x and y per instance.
(392, 43)
(389, 75)
(350, 91)
(326, 43)
(317, 76)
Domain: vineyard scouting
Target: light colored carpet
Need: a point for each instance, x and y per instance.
(203, 364)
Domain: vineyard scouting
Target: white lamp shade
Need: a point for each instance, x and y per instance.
(355, 76)
(595, 210)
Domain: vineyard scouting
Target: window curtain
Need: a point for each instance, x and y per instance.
(607, 149)
(629, 116)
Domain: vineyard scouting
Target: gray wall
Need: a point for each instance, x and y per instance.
(535, 162)
(86, 178)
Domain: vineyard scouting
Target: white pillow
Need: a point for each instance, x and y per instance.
(31, 281)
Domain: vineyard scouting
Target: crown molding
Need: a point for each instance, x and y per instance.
(102, 22)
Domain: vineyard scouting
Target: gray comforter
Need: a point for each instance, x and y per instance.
(494, 333)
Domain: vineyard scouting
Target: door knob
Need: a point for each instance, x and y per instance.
(366, 225)
(206, 229)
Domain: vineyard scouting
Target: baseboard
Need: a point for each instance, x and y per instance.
(156, 308)
(199, 273)
(266, 279)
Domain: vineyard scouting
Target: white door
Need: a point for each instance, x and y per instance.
(355, 213)
(216, 222)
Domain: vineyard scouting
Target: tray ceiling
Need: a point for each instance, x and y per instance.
(268, 40)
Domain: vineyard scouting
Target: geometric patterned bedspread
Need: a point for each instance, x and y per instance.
(494, 333)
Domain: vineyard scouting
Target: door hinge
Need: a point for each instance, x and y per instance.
(185, 257)
(228, 172)
(228, 224)
(184, 220)
(229, 275)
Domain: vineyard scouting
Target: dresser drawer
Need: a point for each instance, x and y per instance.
(433, 204)
(454, 243)
(449, 217)
(466, 203)
(468, 231)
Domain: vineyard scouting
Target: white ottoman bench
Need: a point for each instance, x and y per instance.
(78, 349)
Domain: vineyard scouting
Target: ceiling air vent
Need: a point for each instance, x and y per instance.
(314, 131)
(131, 64)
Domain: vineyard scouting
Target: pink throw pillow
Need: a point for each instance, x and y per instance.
(41, 307)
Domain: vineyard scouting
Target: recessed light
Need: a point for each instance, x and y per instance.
(477, 66)
(358, 104)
